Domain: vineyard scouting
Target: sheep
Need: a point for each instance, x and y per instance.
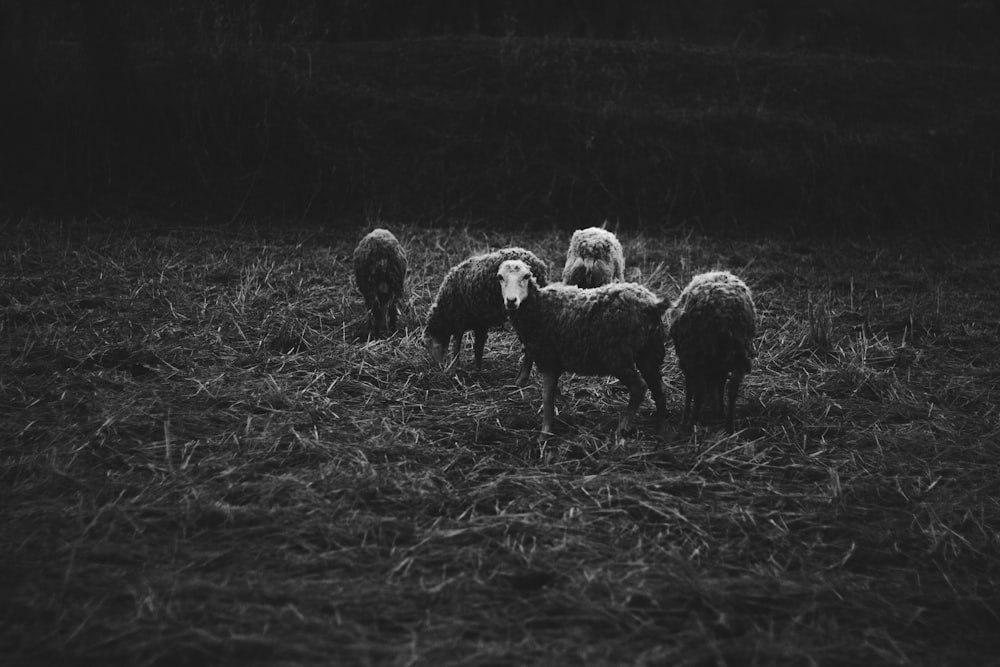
(468, 299)
(594, 258)
(613, 330)
(712, 326)
(379, 272)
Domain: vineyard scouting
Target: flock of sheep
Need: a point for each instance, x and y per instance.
(590, 323)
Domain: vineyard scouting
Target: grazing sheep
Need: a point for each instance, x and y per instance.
(468, 299)
(594, 258)
(609, 330)
(713, 327)
(379, 271)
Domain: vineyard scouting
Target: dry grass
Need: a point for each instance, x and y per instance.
(205, 462)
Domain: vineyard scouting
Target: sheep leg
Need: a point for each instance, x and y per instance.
(699, 389)
(550, 387)
(688, 397)
(650, 372)
(734, 390)
(393, 315)
(524, 373)
(719, 390)
(456, 350)
(636, 392)
(479, 344)
(379, 316)
(372, 306)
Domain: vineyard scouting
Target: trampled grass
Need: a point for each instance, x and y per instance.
(204, 461)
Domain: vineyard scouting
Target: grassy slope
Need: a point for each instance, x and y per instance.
(202, 461)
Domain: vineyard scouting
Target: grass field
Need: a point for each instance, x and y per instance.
(204, 461)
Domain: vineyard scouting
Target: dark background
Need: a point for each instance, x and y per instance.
(774, 114)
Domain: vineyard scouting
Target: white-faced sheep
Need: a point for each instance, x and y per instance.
(713, 328)
(468, 299)
(614, 329)
(594, 258)
(379, 272)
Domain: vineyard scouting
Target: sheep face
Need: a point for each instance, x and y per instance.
(514, 277)
(436, 347)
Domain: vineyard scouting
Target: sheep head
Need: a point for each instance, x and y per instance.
(515, 281)
(435, 346)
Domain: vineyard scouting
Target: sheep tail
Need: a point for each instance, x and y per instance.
(737, 352)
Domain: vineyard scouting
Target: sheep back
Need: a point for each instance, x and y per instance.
(379, 272)
(469, 298)
(595, 257)
(713, 324)
(591, 331)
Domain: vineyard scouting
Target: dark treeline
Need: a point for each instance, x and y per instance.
(504, 109)
(874, 26)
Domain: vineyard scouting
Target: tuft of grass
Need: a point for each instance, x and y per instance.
(203, 459)
(820, 326)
